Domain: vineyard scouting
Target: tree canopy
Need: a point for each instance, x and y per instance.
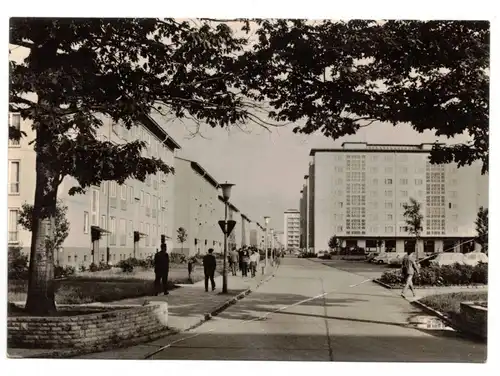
(340, 76)
(482, 228)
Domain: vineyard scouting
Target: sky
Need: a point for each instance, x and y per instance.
(268, 168)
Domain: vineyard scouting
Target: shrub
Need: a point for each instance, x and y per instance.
(480, 273)
(18, 264)
(446, 275)
(62, 272)
(93, 268)
(177, 258)
(83, 268)
(127, 266)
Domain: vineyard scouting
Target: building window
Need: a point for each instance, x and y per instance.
(339, 228)
(402, 228)
(453, 194)
(124, 192)
(419, 182)
(388, 217)
(112, 230)
(14, 177)
(130, 229)
(131, 194)
(15, 122)
(94, 207)
(374, 170)
(102, 224)
(403, 170)
(13, 225)
(85, 222)
(375, 181)
(75, 258)
(84, 258)
(388, 158)
(403, 181)
(123, 232)
(147, 234)
(142, 198)
(404, 193)
(69, 258)
(389, 229)
(388, 193)
(339, 169)
(388, 205)
(388, 170)
(112, 189)
(388, 181)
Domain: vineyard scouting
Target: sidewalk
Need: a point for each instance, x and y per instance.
(188, 307)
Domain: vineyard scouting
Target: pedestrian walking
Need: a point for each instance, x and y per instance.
(254, 260)
(162, 265)
(408, 269)
(191, 262)
(234, 261)
(209, 265)
(240, 259)
(245, 263)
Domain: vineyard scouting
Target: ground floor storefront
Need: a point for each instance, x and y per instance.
(403, 244)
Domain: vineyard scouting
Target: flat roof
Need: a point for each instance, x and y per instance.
(159, 132)
(377, 148)
(199, 169)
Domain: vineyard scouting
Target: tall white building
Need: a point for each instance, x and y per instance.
(143, 207)
(291, 226)
(357, 193)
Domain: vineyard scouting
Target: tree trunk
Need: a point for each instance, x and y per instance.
(41, 288)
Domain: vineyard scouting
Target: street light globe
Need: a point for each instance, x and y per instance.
(266, 219)
(226, 190)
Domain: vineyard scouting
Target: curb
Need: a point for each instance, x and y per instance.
(228, 303)
(463, 331)
(384, 284)
(64, 353)
(462, 287)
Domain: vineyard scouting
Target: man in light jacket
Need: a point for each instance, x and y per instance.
(409, 268)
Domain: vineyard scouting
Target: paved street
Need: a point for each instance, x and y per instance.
(354, 322)
(363, 268)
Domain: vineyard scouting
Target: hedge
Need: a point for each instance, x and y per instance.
(446, 275)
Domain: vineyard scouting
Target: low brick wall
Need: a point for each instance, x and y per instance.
(474, 319)
(98, 326)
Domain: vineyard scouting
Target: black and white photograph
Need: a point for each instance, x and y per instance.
(248, 189)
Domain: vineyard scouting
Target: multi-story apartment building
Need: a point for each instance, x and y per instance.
(245, 230)
(291, 228)
(197, 208)
(357, 193)
(303, 215)
(143, 207)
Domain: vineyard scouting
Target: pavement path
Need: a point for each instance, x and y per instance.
(310, 311)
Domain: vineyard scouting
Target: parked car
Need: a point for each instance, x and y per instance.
(383, 258)
(371, 255)
(443, 258)
(397, 259)
(474, 258)
(321, 254)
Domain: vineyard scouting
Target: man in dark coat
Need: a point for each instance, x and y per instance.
(162, 264)
(209, 265)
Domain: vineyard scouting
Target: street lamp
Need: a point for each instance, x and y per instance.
(266, 221)
(226, 194)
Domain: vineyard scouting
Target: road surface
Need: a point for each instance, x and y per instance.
(342, 317)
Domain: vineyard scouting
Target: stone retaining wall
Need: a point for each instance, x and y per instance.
(100, 326)
(474, 318)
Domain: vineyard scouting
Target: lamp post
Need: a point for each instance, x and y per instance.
(226, 194)
(266, 240)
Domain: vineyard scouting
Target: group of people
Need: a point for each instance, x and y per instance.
(244, 260)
